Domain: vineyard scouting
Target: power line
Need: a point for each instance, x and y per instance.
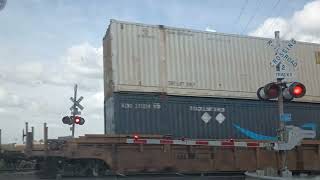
(252, 17)
(272, 14)
(241, 12)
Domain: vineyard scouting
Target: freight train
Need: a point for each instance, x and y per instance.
(184, 101)
(197, 84)
(169, 92)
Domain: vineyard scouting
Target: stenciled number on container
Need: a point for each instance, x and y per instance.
(140, 106)
(206, 108)
(181, 84)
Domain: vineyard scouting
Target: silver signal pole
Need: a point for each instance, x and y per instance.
(74, 108)
(282, 126)
(280, 98)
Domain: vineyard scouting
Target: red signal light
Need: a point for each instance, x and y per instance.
(77, 120)
(297, 90)
(136, 137)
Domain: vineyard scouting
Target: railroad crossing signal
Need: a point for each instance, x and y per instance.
(289, 91)
(74, 118)
(282, 90)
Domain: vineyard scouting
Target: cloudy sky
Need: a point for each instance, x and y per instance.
(48, 45)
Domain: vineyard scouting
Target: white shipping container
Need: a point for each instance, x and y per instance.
(157, 58)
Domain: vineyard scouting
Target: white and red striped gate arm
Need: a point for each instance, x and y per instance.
(225, 143)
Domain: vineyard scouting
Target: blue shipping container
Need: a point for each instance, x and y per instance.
(201, 117)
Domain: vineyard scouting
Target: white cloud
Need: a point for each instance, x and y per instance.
(39, 91)
(29, 73)
(96, 100)
(303, 25)
(265, 29)
(3, 93)
(84, 60)
(209, 29)
(9, 100)
(81, 64)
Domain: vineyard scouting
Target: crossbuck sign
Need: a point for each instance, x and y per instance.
(76, 103)
(282, 59)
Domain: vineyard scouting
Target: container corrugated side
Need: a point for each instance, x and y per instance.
(147, 58)
(202, 118)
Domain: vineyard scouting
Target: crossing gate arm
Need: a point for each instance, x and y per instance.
(224, 143)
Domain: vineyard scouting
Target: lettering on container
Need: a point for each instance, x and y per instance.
(145, 34)
(180, 33)
(206, 108)
(140, 106)
(181, 84)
